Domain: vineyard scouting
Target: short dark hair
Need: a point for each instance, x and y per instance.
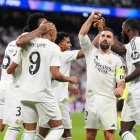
(133, 23)
(108, 29)
(61, 36)
(33, 19)
(26, 29)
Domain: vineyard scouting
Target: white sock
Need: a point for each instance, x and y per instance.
(11, 133)
(38, 137)
(28, 135)
(55, 133)
(67, 138)
(127, 135)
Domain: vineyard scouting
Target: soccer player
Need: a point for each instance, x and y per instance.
(5, 78)
(42, 61)
(131, 110)
(61, 89)
(105, 81)
(12, 106)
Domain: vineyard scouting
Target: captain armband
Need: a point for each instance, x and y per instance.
(120, 73)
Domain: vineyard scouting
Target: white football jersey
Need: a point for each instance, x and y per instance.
(103, 71)
(8, 79)
(133, 56)
(37, 57)
(61, 88)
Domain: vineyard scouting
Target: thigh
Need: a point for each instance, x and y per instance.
(12, 108)
(92, 120)
(65, 111)
(131, 108)
(29, 112)
(108, 113)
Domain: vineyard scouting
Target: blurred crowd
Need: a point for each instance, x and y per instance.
(113, 3)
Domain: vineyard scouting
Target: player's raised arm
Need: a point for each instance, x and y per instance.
(95, 15)
(100, 24)
(44, 27)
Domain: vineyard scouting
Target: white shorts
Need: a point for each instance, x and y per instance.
(65, 111)
(101, 110)
(42, 111)
(2, 101)
(131, 108)
(12, 108)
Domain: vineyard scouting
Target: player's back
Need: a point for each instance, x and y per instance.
(10, 52)
(37, 59)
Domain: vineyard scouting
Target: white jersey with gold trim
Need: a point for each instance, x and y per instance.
(103, 71)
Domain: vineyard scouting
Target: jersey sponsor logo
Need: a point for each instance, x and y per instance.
(101, 68)
(135, 55)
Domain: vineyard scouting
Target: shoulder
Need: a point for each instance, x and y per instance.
(117, 57)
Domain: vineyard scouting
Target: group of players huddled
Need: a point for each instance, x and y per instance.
(35, 80)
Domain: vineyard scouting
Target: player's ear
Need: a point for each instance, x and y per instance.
(129, 28)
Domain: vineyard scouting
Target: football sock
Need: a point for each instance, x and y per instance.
(55, 133)
(128, 136)
(39, 137)
(11, 133)
(28, 135)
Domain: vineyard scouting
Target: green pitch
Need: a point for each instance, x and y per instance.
(78, 130)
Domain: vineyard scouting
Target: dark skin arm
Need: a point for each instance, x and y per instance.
(134, 74)
(23, 39)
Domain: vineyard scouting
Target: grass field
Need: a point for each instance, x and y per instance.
(78, 130)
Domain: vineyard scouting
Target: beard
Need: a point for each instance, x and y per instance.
(104, 47)
(125, 38)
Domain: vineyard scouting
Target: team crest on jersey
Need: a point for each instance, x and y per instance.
(135, 55)
(109, 61)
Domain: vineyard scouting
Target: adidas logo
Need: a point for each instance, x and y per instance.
(113, 125)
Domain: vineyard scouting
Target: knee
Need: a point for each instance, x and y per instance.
(90, 136)
(1, 127)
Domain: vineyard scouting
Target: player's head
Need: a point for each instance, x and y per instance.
(63, 41)
(130, 28)
(106, 39)
(35, 20)
(50, 34)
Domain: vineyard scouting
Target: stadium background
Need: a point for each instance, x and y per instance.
(14, 16)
